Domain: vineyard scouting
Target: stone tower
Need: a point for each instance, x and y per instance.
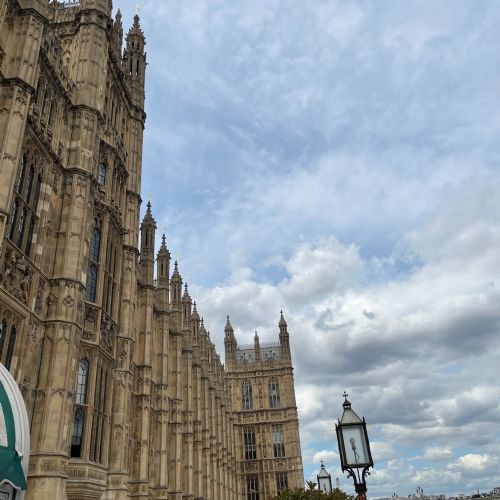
(126, 394)
(267, 429)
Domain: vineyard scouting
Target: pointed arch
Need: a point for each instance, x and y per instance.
(246, 396)
(274, 394)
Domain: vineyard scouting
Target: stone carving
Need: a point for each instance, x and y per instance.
(106, 340)
(17, 276)
(39, 297)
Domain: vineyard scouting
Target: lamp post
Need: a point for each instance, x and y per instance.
(324, 479)
(354, 448)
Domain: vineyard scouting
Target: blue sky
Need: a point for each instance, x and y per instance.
(341, 159)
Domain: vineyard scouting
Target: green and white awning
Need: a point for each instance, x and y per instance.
(14, 433)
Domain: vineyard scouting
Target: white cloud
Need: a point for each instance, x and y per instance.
(437, 453)
(342, 161)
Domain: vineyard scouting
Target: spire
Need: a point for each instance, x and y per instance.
(163, 251)
(282, 322)
(118, 33)
(195, 314)
(284, 336)
(176, 285)
(148, 228)
(134, 62)
(256, 342)
(229, 328)
(186, 297)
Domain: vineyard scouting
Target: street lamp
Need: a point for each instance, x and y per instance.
(354, 447)
(324, 479)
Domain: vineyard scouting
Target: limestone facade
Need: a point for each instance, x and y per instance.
(267, 427)
(126, 395)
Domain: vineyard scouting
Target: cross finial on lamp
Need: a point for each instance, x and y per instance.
(345, 395)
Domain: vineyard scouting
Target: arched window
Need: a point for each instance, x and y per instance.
(77, 437)
(246, 396)
(101, 174)
(23, 221)
(249, 444)
(10, 347)
(81, 386)
(274, 394)
(278, 442)
(95, 244)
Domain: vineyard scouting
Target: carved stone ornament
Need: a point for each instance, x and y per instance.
(106, 340)
(17, 276)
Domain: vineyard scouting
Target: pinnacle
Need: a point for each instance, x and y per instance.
(229, 328)
(282, 320)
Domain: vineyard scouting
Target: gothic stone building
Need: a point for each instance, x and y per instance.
(126, 395)
(267, 427)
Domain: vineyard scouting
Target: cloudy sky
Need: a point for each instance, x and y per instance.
(341, 159)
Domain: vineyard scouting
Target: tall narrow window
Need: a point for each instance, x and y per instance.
(100, 416)
(81, 386)
(3, 335)
(278, 442)
(29, 184)
(249, 444)
(20, 227)
(281, 481)
(10, 347)
(22, 171)
(274, 394)
(36, 197)
(29, 240)
(77, 437)
(252, 488)
(13, 218)
(101, 174)
(246, 396)
(95, 245)
(23, 217)
(80, 400)
(92, 283)
(94, 255)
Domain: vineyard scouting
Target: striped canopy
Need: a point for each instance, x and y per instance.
(14, 433)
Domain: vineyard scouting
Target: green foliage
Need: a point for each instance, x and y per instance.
(311, 485)
(301, 494)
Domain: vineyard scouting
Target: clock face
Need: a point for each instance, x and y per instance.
(355, 446)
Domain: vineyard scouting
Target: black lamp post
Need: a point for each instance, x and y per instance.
(324, 479)
(354, 448)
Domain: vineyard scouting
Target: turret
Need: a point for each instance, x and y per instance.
(230, 343)
(175, 287)
(284, 336)
(163, 274)
(117, 41)
(256, 346)
(134, 62)
(195, 319)
(148, 228)
(186, 308)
